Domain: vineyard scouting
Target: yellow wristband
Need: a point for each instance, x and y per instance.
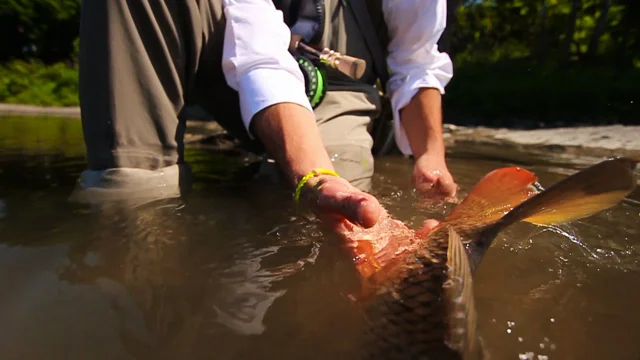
(312, 173)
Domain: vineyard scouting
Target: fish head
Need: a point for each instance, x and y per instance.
(370, 248)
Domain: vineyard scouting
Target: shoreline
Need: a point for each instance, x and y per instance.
(35, 110)
(597, 141)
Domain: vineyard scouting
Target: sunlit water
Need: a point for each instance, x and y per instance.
(236, 273)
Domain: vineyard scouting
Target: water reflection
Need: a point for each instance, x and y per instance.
(233, 272)
(192, 280)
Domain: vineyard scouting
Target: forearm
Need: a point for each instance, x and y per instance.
(416, 63)
(273, 104)
(290, 135)
(422, 122)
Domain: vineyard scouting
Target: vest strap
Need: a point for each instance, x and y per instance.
(361, 13)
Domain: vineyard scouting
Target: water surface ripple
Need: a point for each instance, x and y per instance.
(235, 272)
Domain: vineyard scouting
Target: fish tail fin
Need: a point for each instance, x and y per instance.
(585, 193)
(494, 195)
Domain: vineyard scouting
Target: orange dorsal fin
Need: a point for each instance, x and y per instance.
(374, 274)
(493, 196)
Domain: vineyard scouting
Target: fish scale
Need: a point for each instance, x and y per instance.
(412, 308)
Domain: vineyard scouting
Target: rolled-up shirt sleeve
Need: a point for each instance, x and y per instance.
(256, 61)
(414, 61)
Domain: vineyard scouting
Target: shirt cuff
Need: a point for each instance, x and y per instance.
(261, 88)
(401, 98)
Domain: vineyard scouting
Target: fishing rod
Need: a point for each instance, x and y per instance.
(348, 65)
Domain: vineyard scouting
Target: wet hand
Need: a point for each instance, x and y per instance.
(335, 200)
(432, 178)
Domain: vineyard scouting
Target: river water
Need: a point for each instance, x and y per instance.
(234, 272)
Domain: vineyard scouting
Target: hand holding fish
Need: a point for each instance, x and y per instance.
(354, 214)
(340, 205)
(417, 286)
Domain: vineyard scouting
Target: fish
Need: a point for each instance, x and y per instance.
(416, 286)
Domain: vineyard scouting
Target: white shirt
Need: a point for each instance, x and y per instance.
(256, 61)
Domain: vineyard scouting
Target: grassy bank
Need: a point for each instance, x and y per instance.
(499, 94)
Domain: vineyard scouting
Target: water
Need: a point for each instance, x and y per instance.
(236, 273)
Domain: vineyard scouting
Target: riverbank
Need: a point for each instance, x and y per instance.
(597, 141)
(493, 94)
(579, 146)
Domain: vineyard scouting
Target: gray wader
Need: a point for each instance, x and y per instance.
(142, 62)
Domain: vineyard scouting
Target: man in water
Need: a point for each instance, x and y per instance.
(142, 62)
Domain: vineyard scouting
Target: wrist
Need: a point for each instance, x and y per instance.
(311, 182)
(433, 147)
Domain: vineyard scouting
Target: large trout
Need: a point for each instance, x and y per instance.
(417, 291)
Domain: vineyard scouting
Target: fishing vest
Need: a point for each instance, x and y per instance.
(352, 27)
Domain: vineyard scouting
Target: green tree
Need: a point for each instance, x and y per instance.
(43, 29)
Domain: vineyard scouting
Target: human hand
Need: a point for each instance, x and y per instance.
(432, 178)
(354, 214)
(369, 234)
(340, 205)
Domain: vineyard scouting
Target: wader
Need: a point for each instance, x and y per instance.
(143, 62)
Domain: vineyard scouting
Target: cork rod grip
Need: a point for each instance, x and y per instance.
(351, 66)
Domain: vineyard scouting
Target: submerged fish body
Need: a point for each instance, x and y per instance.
(417, 289)
(411, 313)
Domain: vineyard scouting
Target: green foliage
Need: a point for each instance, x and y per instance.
(549, 60)
(31, 12)
(44, 29)
(510, 92)
(546, 30)
(35, 83)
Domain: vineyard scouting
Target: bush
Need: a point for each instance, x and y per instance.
(504, 92)
(34, 83)
(42, 29)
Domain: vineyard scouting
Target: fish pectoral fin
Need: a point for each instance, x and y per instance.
(365, 259)
(461, 313)
(589, 191)
(495, 194)
(378, 280)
